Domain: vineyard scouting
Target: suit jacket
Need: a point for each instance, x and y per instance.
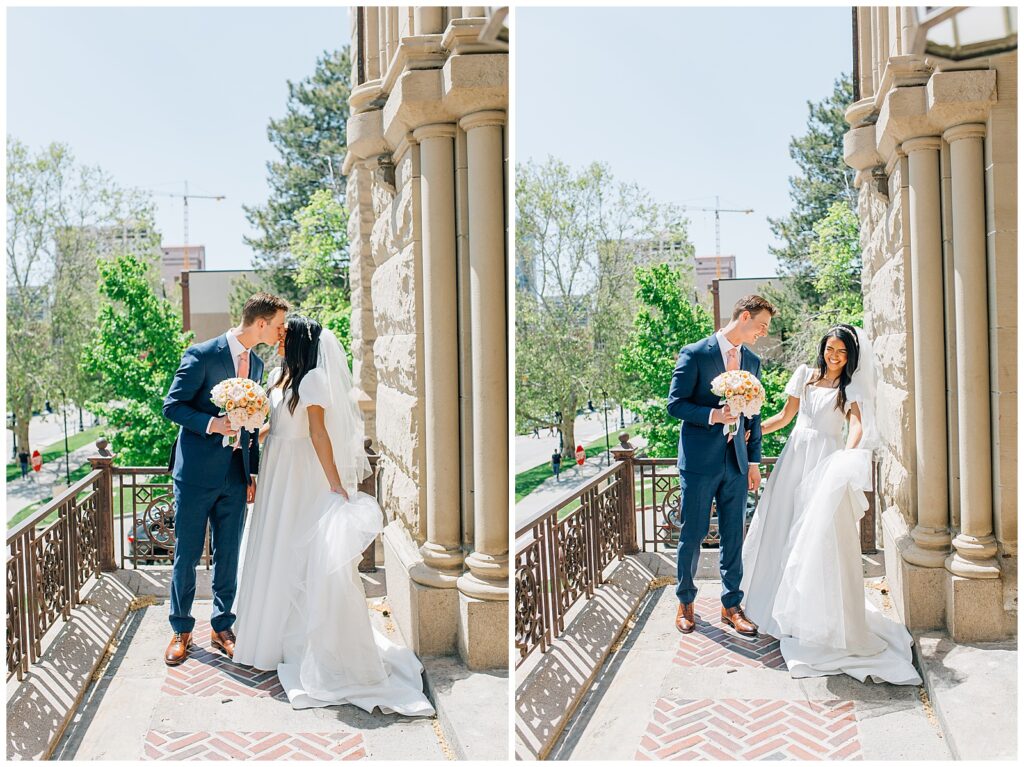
(701, 445)
(198, 458)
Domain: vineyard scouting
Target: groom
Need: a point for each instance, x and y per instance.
(714, 465)
(213, 483)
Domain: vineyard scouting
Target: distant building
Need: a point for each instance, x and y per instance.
(726, 292)
(206, 300)
(678, 252)
(177, 259)
(707, 269)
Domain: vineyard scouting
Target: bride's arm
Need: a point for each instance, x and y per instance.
(324, 451)
(781, 419)
(856, 427)
(264, 431)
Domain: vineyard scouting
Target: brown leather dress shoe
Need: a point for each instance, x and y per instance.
(177, 650)
(734, 617)
(224, 641)
(685, 620)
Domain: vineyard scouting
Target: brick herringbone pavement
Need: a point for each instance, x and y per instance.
(223, 745)
(714, 644)
(732, 729)
(208, 671)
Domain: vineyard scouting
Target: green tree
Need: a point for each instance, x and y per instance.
(311, 143)
(578, 234)
(320, 247)
(823, 179)
(666, 321)
(136, 350)
(61, 218)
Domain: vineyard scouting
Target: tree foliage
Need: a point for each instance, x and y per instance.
(62, 218)
(578, 234)
(311, 143)
(136, 349)
(667, 320)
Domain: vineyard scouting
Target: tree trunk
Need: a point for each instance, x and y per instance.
(568, 429)
(23, 414)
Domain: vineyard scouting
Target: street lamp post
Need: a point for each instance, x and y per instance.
(622, 417)
(67, 450)
(607, 442)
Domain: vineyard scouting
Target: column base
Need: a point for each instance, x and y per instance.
(975, 610)
(427, 615)
(973, 557)
(916, 591)
(483, 633)
(928, 547)
(487, 578)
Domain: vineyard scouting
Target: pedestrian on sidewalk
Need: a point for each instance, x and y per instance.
(556, 464)
(23, 457)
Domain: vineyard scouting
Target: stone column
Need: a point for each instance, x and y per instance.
(371, 42)
(975, 546)
(488, 564)
(442, 551)
(930, 534)
(429, 20)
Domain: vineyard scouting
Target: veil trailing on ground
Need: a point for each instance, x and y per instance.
(342, 418)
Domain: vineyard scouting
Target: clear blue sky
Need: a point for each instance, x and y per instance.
(156, 96)
(688, 102)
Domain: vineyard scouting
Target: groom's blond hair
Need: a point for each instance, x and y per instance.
(262, 306)
(753, 304)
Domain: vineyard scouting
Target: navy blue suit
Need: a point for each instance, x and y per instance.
(710, 467)
(210, 482)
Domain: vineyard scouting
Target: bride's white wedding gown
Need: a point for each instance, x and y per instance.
(802, 573)
(301, 606)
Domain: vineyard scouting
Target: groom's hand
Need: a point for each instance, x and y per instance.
(753, 476)
(723, 415)
(250, 491)
(221, 425)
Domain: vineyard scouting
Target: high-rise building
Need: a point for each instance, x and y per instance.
(180, 258)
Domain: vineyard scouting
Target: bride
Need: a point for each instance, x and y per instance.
(301, 606)
(802, 566)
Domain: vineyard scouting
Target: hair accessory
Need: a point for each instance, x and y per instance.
(309, 331)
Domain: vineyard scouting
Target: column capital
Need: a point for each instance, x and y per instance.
(434, 130)
(967, 130)
(921, 144)
(486, 118)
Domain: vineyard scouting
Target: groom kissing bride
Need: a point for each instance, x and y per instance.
(798, 572)
(301, 606)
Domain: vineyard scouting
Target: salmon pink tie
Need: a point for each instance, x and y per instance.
(731, 362)
(243, 364)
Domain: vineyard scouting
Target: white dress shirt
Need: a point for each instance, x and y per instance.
(724, 346)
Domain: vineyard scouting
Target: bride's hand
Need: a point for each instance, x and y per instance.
(340, 491)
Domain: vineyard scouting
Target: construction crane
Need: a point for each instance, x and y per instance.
(185, 198)
(717, 210)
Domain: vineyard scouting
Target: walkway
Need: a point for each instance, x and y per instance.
(210, 708)
(532, 451)
(716, 695)
(572, 478)
(40, 485)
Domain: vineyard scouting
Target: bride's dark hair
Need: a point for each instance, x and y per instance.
(301, 344)
(848, 335)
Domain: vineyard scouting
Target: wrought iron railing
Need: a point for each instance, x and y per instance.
(50, 560)
(561, 555)
(48, 563)
(631, 506)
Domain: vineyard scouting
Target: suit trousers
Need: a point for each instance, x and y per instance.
(728, 488)
(224, 509)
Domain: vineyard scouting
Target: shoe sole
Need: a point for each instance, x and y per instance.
(732, 625)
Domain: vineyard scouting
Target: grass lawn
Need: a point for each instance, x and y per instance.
(55, 451)
(527, 481)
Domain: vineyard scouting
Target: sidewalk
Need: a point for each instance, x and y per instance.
(716, 695)
(24, 492)
(209, 708)
(572, 478)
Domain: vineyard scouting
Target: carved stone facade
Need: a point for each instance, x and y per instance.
(427, 168)
(934, 143)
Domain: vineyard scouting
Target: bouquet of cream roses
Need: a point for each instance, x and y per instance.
(244, 402)
(741, 391)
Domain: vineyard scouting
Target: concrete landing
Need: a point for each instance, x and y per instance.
(715, 695)
(209, 708)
